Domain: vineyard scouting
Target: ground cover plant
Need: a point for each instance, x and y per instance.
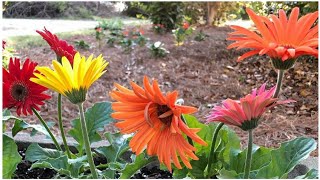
(150, 118)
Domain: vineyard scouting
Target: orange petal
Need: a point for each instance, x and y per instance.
(248, 54)
(187, 109)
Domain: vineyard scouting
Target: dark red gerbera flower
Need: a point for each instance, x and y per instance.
(60, 47)
(18, 90)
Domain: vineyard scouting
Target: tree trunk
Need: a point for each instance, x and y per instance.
(212, 8)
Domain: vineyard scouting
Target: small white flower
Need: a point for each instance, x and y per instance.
(157, 44)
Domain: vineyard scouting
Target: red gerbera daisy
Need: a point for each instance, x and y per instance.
(60, 47)
(18, 90)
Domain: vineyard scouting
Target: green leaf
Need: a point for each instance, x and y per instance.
(312, 174)
(62, 165)
(59, 164)
(35, 153)
(261, 157)
(226, 140)
(49, 124)
(180, 174)
(118, 145)
(6, 115)
(97, 117)
(20, 125)
(138, 162)
(228, 174)
(11, 158)
(285, 158)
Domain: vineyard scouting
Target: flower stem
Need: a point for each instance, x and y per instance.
(211, 157)
(249, 156)
(87, 142)
(47, 128)
(61, 127)
(279, 83)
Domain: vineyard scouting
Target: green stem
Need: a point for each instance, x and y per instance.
(189, 139)
(211, 157)
(66, 147)
(48, 130)
(279, 83)
(249, 156)
(87, 142)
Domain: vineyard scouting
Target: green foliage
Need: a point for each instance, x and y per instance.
(118, 145)
(138, 162)
(20, 124)
(35, 153)
(82, 44)
(7, 53)
(181, 33)
(226, 141)
(166, 13)
(10, 157)
(285, 158)
(194, 11)
(200, 36)
(269, 7)
(312, 174)
(269, 163)
(111, 24)
(127, 44)
(69, 168)
(157, 49)
(97, 117)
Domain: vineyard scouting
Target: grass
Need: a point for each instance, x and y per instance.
(20, 42)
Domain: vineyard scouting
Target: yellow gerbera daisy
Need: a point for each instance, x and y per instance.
(72, 82)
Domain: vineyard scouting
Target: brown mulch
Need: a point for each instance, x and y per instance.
(204, 73)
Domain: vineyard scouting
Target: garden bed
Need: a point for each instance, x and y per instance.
(151, 171)
(204, 73)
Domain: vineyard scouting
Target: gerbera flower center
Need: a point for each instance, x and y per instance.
(19, 91)
(165, 114)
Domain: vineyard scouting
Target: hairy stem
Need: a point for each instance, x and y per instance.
(279, 83)
(211, 157)
(61, 127)
(87, 142)
(249, 156)
(48, 130)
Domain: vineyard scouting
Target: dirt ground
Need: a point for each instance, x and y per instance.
(204, 73)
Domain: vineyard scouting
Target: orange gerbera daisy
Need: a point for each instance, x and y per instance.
(156, 121)
(280, 38)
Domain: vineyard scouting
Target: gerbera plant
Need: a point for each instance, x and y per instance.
(62, 49)
(154, 125)
(73, 83)
(156, 120)
(282, 39)
(245, 114)
(21, 93)
(181, 33)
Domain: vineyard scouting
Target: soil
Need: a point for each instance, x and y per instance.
(24, 170)
(205, 73)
